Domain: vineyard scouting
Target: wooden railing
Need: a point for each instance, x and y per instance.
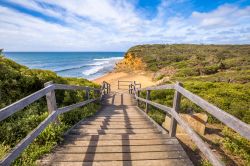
(127, 84)
(106, 87)
(49, 91)
(240, 127)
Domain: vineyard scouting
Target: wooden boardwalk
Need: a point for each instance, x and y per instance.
(120, 134)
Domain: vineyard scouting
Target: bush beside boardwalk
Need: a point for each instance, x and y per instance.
(218, 73)
(18, 81)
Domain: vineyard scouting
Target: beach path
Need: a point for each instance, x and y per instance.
(119, 134)
(144, 78)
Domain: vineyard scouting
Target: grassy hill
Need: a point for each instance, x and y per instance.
(231, 63)
(18, 81)
(218, 73)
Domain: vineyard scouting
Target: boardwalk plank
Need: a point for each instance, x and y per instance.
(119, 134)
(119, 156)
(166, 162)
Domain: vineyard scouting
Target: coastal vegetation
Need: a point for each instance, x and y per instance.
(218, 73)
(18, 81)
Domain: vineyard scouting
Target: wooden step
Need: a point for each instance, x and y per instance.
(118, 119)
(119, 149)
(120, 114)
(113, 126)
(115, 122)
(119, 156)
(114, 131)
(161, 162)
(121, 142)
(117, 137)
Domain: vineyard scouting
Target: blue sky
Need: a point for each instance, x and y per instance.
(116, 25)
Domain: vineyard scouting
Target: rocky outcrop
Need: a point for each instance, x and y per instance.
(130, 63)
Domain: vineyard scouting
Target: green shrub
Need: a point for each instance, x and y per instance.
(237, 145)
(211, 69)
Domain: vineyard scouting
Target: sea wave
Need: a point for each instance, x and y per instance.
(98, 62)
(93, 70)
(79, 67)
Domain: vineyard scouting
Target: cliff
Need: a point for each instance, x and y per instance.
(217, 63)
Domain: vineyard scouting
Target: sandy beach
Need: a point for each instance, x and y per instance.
(140, 77)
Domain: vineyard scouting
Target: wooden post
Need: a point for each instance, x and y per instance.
(103, 86)
(148, 98)
(107, 88)
(87, 93)
(176, 107)
(138, 101)
(51, 100)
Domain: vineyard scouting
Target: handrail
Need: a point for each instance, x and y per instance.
(54, 112)
(20, 104)
(234, 123)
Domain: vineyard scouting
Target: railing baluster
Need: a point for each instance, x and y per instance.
(148, 98)
(51, 100)
(176, 107)
(138, 101)
(87, 94)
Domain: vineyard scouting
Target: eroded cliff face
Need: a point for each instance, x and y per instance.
(130, 63)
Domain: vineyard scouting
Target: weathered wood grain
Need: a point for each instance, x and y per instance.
(176, 108)
(122, 133)
(51, 98)
(120, 156)
(119, 149)
(159, 162)
(147, 98)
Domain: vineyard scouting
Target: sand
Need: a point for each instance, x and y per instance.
(140, 77)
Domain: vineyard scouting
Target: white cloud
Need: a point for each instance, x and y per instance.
(115, 25)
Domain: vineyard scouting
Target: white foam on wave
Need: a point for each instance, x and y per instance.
(93, 70)
(101, 64)
(108, 59)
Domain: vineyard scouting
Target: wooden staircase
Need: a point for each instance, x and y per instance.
(120, 134)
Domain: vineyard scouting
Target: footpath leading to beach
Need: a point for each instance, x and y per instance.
(142, 77)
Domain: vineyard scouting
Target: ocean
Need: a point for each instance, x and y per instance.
(89, 65)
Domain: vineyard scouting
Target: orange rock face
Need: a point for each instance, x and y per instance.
(130, 63)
